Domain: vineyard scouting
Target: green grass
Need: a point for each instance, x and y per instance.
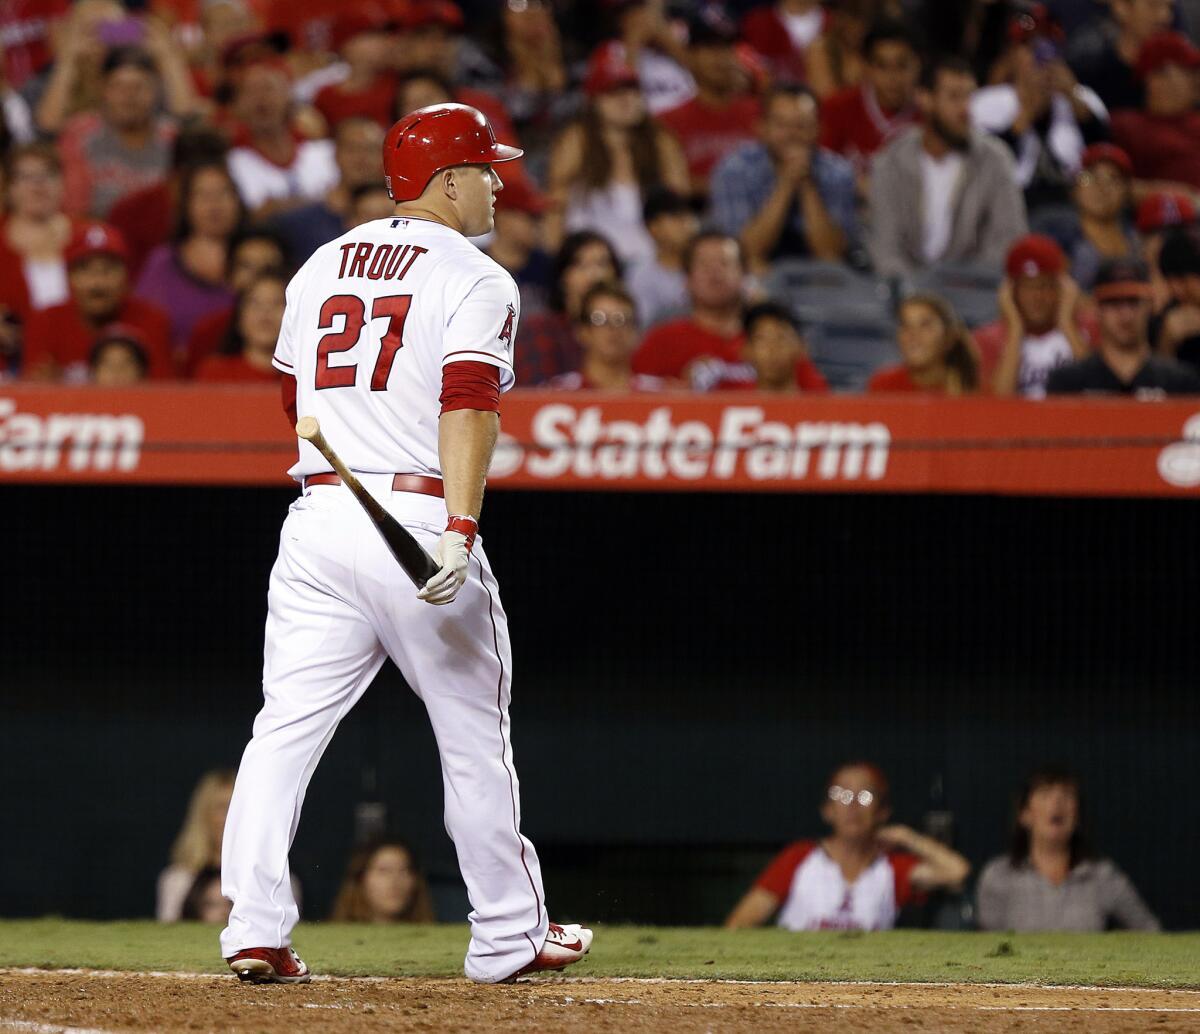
(1114, 959)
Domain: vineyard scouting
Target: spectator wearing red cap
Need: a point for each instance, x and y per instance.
(722, 115)
(1038, 328)
(1123, 363)
(363, 39)
(118, 358)
(1040, 111)
(273, 166)
(245, 355)
(516, 243)
(1109, 69)
(58, 340)
(650, 44)
(607, 329)
(782, 33)
(357, 147)
(603, 164)
(1163, 138)
(937, 353)
(783, 195)
(34, 232)
(1100, 197)
(859, 120)
(716, 272)
(122, 147)
(943, 192)
(1156, 214)
(774, 358)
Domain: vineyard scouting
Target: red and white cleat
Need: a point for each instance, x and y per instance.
(563, 946)
(269, 966)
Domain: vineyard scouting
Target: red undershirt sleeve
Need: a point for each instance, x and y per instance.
(470, 385)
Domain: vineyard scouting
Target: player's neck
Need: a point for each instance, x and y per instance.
(415, 210)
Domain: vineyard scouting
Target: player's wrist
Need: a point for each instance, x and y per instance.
(465, 525)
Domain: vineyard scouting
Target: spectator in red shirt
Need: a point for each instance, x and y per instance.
(547, 345)
(607, 333)
(938, 355)
(1163, 139)
(782, 33)
(245, 357)
(723, 114)
(361, 36)
(34, 232)
(146, 217)
(58, 341)
(124, 146)
(715, 269)
(25, 27)
(252, 254)
(858, 877)
(1038, 328)
(775, 358)
(859, 120)
(118, 358)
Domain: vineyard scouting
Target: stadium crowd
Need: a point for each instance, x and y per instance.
(990, 196)
(865, 873)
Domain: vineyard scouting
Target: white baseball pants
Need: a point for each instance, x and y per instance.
(339, 604)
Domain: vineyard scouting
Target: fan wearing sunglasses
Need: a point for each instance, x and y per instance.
(860, 875)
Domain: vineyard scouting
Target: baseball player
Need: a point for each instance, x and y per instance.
(398, 337)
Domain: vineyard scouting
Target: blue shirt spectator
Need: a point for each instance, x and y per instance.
(784, 196)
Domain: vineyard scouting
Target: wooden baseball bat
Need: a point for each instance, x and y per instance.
(417, 564)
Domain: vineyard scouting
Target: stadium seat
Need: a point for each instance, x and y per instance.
(972, 290)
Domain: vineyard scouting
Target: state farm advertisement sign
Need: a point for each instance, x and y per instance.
(237, 435)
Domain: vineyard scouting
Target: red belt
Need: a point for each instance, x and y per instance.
(400, 483)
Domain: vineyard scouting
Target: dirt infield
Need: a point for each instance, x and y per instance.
(100, 1003)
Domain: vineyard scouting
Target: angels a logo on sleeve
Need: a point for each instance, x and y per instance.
(506, 331)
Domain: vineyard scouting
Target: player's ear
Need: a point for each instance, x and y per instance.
(450, 184)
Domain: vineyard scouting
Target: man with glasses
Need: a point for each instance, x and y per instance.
(607, 330)
(1123, 363)
(861, 874)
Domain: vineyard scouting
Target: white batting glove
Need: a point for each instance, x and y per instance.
(452, 554)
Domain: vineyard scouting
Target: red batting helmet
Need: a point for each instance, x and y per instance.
(434, 138)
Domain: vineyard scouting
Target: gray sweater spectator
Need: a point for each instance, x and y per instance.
(1047, 881)
(944, 193)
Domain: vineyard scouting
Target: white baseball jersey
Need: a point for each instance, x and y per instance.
(312, 173)
(371, 320)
